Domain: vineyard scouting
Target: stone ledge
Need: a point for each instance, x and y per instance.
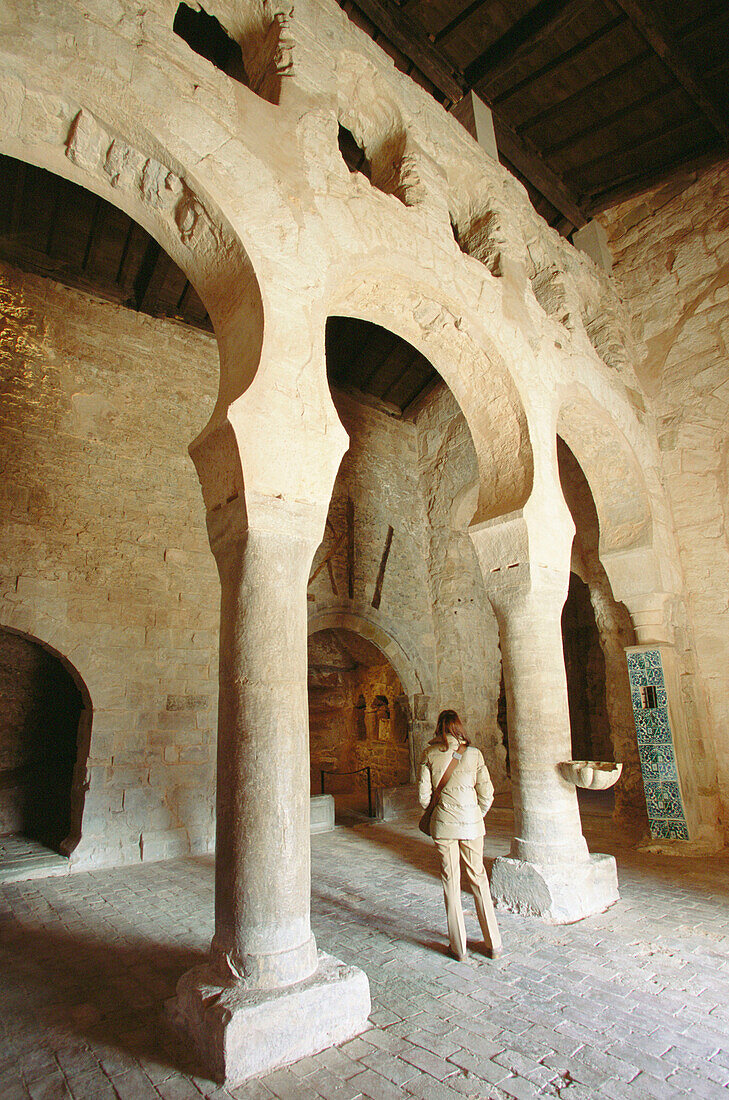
(237, 1033)
(559, 893)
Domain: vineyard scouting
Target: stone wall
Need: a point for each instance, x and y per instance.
(671, 252)
(104, 554)
(469, 661)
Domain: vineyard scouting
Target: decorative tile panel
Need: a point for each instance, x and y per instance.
(663, 799)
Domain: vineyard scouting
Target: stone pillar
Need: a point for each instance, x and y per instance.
(266, 997)
(547, 827)
(549, 871)
(262, 868)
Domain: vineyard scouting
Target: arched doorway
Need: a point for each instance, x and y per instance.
(44, 727)
(396, 555)
(585, 669)
(596, 629)
(357, 720)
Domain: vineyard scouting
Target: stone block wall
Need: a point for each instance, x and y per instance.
(379, 476)
(467, 640)
(104, 553)
(671, 253)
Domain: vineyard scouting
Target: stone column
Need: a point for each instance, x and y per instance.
(547, 827)
(262, 868)
(266, 997)
(549, 871)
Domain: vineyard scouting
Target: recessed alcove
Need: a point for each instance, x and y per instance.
(357, 719)
(45, 713)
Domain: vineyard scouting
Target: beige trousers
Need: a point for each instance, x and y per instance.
(451, 852)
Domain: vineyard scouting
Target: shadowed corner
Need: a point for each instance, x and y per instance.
(43, 975)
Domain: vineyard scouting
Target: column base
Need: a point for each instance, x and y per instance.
(560, 893)
(237, 1033)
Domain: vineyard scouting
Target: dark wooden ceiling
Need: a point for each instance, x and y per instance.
(56, 228)
(593, 100)
(374, 361)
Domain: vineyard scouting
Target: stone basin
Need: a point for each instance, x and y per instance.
(593, 775)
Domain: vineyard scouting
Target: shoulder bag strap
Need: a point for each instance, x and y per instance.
(444, 778)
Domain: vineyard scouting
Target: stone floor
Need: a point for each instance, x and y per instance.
(22, 859)
(631, 1003)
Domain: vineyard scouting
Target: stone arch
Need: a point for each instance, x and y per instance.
(613, 473)
(83, 733)
(411, 671)
(470, 364)
(150, 184)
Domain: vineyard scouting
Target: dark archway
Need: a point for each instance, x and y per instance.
(585, 669)
(44, 726)
(357, 719)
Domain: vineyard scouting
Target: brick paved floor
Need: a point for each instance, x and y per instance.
(631, 1003)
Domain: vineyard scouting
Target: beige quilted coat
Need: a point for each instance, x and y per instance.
(466, 797)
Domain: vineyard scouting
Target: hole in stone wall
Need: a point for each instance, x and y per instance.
(353, 154)
(208, 38)
(352, 723)
(39, 742)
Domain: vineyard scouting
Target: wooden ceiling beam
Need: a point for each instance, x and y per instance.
(551, 66)
(595, 85)
(143, 280)
(651, 26)
(636, 146)
(457, 20)
(16, 207)
(609, 120)
(527, 159)
(408, 37)
(92, 242)
(702, 156)
(526, 35)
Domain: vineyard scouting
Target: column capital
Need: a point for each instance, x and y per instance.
(230, 524)
(519, 558)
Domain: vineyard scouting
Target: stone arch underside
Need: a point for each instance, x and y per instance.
(613, 473)
(470, 364)
(411, 670)
(130, 169)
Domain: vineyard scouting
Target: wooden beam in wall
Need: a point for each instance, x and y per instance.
(652, 27)
(527, 34)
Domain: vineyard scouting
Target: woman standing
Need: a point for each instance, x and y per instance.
(457, 828)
